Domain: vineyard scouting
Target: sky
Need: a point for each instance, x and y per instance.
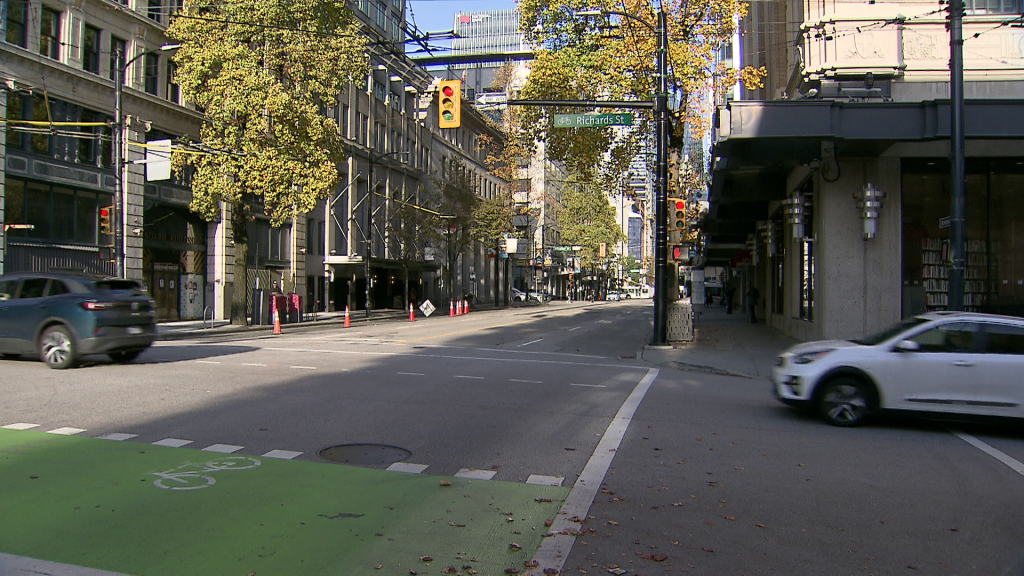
(439, 15)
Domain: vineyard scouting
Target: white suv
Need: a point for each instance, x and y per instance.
(947, 362)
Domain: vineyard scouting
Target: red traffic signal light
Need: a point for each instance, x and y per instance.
(450, 104)
(105, 213)
(677, 253)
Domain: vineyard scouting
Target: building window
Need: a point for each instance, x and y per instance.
(979, 7)
(17, 13)
(381, 15)
(15, 137)
(154, 10)
(117, 46)
(344, 121)
(40, 142)
(49, 33)
(152, 73)
(91, 49)
(173, 90)
(379, 91)
(57, 213)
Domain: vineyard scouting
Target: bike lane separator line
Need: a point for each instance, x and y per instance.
(117, 436)
(172, 442)
(21, 426)
(135, 508)
(223, 448)
(554, 550)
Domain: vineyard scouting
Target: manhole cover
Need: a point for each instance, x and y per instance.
(365, 454)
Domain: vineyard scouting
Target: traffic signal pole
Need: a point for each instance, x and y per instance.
(660, 337)
(662, 127)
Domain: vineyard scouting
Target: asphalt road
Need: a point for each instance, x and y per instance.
(712, 476)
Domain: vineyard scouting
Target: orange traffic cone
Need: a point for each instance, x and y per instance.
(277, 323)
(458, 308)
(412, 315)
(465, 307)
(348, 321)
(451, 308)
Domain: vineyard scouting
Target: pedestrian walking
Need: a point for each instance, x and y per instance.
(753, 295)
(730, 293)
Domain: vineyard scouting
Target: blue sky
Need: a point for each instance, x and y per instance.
(439, 15)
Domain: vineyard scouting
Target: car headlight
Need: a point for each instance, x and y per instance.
(808, 357)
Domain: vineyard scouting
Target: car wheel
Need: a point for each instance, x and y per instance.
(124, 356)
(57, 348)
(844, 402)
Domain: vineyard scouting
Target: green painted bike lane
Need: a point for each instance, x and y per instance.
(147, 510)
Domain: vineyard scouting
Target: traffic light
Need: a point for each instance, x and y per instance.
(679, 253)
(105, 214)
(676, 219)
(450, 104)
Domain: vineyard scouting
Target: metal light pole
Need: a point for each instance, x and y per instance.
(660, 337)
(118, 141)
(956, 152)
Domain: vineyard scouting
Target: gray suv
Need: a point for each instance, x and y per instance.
(62, 317)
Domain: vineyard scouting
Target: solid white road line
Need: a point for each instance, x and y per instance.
(207, 362)
(554, 550)
(1014, 464)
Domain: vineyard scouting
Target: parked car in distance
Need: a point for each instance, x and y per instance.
(614, 296)
(538, 296)
(960, 363)
(62, 317)
(517, 295)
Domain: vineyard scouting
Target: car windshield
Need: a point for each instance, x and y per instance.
(879, 337)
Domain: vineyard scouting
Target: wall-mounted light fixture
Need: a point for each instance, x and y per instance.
(869, 201)
(795, 215)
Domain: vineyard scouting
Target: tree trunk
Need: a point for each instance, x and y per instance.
(239, 292)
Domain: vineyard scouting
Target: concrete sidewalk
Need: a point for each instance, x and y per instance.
(724, 344)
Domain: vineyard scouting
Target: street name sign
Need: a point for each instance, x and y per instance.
(592, 120)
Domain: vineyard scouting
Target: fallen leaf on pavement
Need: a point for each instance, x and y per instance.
(706, 549)
(511, 570)
(426, 559)
(515, 546)
(531, 563)
(451, 570)
(445, 483)
(550, 571)
(759, 525)
(613, 523)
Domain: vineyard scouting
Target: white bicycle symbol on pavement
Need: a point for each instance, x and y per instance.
(192, 476)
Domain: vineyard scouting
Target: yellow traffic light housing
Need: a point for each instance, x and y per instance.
(450, 104)
(105, 213)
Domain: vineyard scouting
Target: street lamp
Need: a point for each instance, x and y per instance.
(660, 337)
(119, 70)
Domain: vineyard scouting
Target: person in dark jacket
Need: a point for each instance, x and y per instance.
(753, 295)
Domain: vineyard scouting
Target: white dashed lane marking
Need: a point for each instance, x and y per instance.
(410, 374)
(223, 448)
(67, 431)
(172, 442)
(405, 467)
(525, 381)
(589, 385)
(469, 377)
(117, 436)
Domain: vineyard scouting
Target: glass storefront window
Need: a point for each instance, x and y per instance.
(994, 224)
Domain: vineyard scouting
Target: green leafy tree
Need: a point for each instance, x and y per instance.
(456, 204)
(261, 71)
(587, 220)
(411, 228)
(492, 222)
(581, 60)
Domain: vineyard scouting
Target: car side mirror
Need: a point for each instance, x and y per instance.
(907, 346)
